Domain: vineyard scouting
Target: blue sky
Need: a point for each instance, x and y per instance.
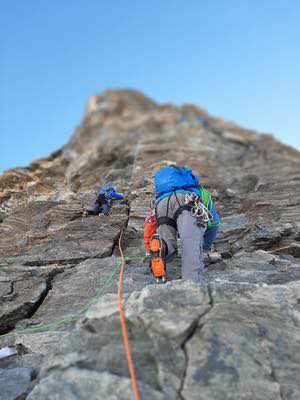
(238, 59)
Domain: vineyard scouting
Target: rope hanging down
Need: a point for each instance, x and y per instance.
(126, 343)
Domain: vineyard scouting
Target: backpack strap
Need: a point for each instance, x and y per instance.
(166, 220)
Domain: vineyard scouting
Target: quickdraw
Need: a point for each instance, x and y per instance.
(198, 209)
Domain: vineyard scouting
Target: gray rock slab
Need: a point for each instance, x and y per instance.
(44, 234)
(21, 294)
(158, 324)
(234, 224)
(247, 347)
(80, 384)
(259, 267)
(15, 382)
(73, 290)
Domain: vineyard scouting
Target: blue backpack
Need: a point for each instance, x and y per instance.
(173, 178)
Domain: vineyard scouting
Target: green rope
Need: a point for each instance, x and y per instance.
(68, 318)
(73, 317)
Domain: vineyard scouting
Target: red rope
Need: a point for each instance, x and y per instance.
(126, 343)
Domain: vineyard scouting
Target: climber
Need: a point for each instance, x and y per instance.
(182, 206)
(103, 201)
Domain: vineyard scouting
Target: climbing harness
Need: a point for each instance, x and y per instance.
(192, 203)
(126, 342)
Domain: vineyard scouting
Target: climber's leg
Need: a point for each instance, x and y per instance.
(191, 236)
(169, 236)
(94, 210)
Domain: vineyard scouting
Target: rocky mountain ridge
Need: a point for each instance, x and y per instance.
(58, 271)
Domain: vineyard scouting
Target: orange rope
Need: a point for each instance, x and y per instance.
(126, 343)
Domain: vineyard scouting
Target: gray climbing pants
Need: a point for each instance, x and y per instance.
(191, 236)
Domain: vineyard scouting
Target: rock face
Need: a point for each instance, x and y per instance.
(238, 339)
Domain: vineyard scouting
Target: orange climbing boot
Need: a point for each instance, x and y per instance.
(157, 263)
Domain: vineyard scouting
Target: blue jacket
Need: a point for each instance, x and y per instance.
(111, 193)
(103, 201)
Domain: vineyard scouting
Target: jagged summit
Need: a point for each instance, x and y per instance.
(120, 102)
(111, 127)
(58, 270)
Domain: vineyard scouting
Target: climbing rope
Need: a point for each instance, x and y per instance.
(68, 318)
(126, 343)
(73, 317)
(99, 292)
